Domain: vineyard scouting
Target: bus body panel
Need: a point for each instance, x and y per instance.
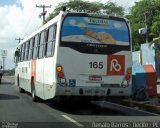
(43, 83)
(23, 72)
(39, 77)
(77, 68)
(49, 78)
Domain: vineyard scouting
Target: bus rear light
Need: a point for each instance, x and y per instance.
(59, 68)
(127, 77)
(129, 70)
(60, 74)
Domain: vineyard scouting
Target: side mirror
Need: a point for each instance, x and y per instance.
(17, 53)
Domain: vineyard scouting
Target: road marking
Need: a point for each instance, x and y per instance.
(72, 120)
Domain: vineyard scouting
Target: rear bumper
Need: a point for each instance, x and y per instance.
(92, 91)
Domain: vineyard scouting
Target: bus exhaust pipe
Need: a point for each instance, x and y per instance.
(81, 91)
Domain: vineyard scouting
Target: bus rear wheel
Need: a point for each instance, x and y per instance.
(33, 92)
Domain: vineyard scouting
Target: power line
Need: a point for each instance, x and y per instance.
(44, 12)
(19, 39)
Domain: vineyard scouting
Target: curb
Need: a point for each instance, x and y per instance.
(143, 105)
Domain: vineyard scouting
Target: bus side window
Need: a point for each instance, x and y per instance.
(27, 50)
(50, 41)
(31, 48)
(16, 56)
(54, 38)
(23, 52)
(41, 44)
(20, 53)
(24, 49)
(35, 49)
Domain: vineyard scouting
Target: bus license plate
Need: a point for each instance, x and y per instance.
(95, 78)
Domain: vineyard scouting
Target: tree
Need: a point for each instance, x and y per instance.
(150, 8)
(155, 28)
(112, 9)
(90, 7)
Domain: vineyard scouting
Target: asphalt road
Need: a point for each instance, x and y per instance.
(18, 110)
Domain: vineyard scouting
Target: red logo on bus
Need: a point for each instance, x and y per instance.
(115, 65)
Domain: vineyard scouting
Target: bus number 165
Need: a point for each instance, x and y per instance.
(96, 65)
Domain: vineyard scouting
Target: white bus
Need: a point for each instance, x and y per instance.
(76, 55)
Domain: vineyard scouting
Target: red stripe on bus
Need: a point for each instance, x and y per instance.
(33, 71)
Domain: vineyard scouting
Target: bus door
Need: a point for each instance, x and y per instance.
(48, 62)
(40, 66)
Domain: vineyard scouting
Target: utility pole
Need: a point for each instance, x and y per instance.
(146, 26)
(3, 55)
(44, 12)
(19, 39)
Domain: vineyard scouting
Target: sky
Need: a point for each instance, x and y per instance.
(19, 18)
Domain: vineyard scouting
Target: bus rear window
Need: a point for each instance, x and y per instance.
(94, 30)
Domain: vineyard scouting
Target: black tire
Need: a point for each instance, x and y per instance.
(0, 80)
(33, 92)
(18, 84)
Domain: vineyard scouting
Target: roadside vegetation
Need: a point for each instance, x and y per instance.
(136, 16)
